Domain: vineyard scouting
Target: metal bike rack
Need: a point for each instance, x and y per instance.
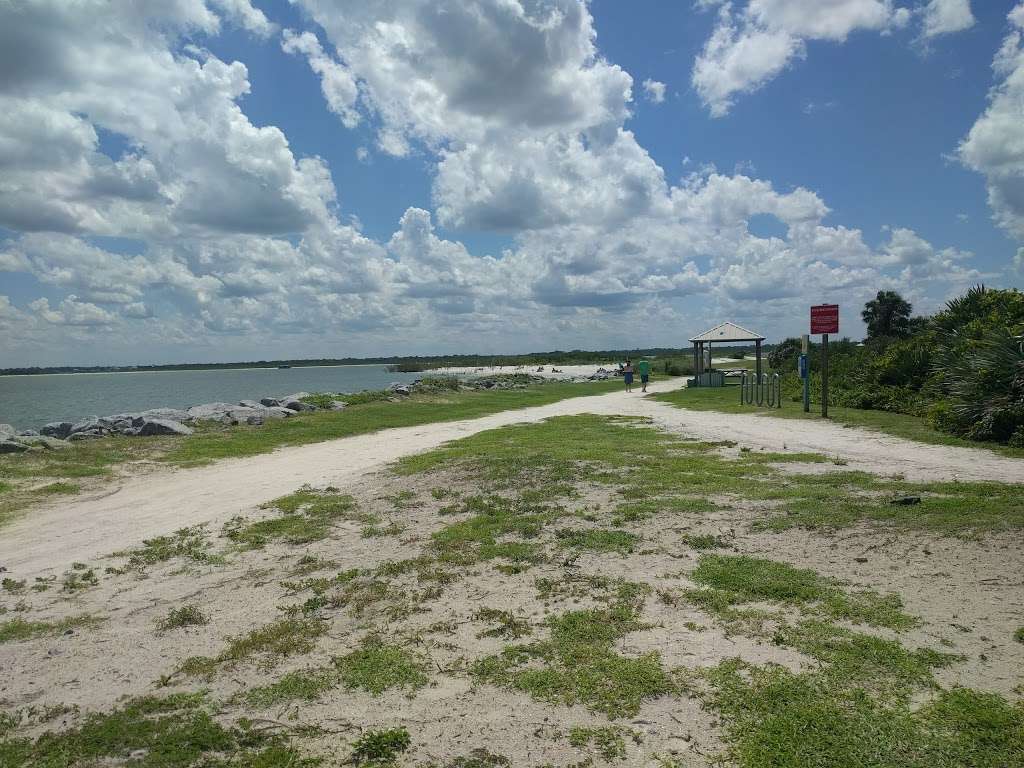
(764, 391)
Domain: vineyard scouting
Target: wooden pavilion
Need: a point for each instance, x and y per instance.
(726, 333)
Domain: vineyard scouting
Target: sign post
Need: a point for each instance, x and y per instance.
(824, 320)
(805, 372)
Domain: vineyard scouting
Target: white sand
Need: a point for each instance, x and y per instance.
(81, 529)
(560, 372)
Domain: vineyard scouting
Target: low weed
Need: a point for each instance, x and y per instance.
(774, 717)
(173, 732)
(598, 540)
(609, 742)
(79, 579)
(188, 615)
(286, 637)
(58, 489)
(704, 541)
(380, 748)
(303, 685)
(305, 516)
(191, 544)
(577, 664)
(505, 624)
(376, 666)
(16, 630)
(736, 579)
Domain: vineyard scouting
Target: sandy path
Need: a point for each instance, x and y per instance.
(86, 528)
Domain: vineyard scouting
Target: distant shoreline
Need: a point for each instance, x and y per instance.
(188, 370)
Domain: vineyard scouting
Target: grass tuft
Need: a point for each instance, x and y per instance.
(188, 615)
(380, 748)
(377, 666)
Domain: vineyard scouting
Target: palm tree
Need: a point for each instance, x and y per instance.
(887, 315)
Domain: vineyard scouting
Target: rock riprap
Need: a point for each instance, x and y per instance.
(177, 421)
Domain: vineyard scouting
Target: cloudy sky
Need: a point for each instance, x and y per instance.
(242, 179)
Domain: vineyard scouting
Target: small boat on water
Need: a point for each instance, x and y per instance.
(283, 366)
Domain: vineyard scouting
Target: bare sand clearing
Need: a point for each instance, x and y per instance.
(83, 528)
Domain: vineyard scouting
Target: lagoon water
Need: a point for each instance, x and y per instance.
(28, 402)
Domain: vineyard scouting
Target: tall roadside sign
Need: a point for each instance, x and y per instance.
(824, 320)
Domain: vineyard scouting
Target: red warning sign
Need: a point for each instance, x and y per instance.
(825, 318)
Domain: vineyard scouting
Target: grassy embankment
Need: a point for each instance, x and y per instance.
(727, 400)
(557, 509)
(28, 478)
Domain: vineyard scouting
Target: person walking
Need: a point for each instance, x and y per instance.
(644, 369)
(627, 375)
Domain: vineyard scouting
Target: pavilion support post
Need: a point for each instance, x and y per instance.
(757, 352)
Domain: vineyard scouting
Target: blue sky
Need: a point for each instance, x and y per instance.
(236, 180)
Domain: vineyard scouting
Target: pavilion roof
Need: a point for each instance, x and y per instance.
(728, 332)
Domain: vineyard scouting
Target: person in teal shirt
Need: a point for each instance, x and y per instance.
(644, 369)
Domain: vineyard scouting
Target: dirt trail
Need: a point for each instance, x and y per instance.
(88, 527)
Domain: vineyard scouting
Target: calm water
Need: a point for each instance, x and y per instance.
(28, 402)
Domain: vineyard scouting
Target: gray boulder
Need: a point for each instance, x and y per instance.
(86, 434)
(168, 414)
(7, 430)
(297, 405)
(9, 446)
(254, 420)
(250, 404)
(163, 427)
(210, 411)
(28, 433)
(400, 389)
(277, 412)
(91, 424)
(337, 405)
(118, 422)
(58, 429)
(42, 440)
(270, 402)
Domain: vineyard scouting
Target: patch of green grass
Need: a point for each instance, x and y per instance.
(737, 578)
(307, 515)
(776, 718)
(368, 412)
(57, 489)
(657, 471)
(377, 666)
(15, 630)
(380, 748)
(704, 541)
(1019, 635)
(285, 637)
(12, 587)
(598, 540)
(577, 664)
(191, 544)
(375, 531)
(494, 518)
(173, 732)
(304, 685)
(727, 400)
(874, 663)
(188, 615)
